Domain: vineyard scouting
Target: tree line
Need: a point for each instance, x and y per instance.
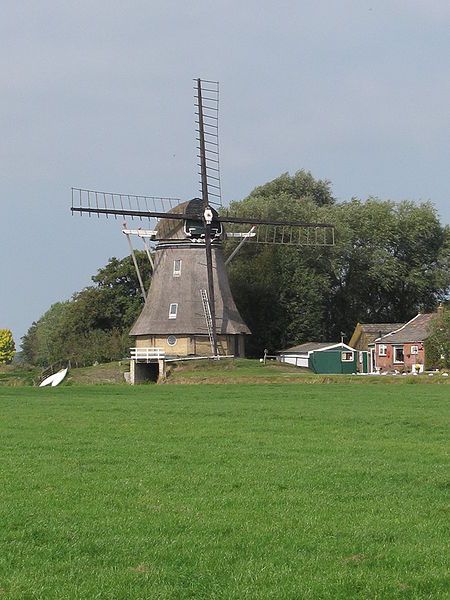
(93, 326)
(390, 260)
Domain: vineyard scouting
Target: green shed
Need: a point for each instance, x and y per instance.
(322, 357)
(333, 360)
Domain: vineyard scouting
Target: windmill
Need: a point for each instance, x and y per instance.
(190, 293)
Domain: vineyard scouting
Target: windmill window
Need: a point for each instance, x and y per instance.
(173, 309)
(382, 350)
(171, 340)
(414, 349)
(177, 267)
(399, 356)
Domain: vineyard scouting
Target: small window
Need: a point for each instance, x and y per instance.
(414, 349)
(173, 309)
(177, 267)
(399, 356)
(346, 356)
(171, 340)
(382, 350)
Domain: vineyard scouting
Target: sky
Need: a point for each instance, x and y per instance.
(99, 95)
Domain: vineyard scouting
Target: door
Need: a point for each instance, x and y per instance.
(236, 346)
(365, 362)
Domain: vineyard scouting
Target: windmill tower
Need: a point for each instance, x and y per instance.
(189, 308)
(177, 313)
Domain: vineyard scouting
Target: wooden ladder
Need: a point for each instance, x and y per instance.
(208, 319)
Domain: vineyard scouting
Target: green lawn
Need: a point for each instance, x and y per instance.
(232, 492)
(244, 370)
(239, 370)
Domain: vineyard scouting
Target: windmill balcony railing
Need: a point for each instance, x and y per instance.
(147, 354)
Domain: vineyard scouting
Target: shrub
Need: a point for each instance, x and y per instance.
(7, 346)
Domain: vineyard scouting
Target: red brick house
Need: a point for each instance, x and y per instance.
(403, 349)
(363, 340)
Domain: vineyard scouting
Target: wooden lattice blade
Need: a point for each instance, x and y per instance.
(250, 221)
(287, 235)
(134, 213)
(108, 203)
(207, 112)
(267, 231)
(194, 217)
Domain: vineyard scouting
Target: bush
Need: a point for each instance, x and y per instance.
(437, 346)
(7, 346)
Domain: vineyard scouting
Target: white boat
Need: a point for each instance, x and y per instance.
(54, 379)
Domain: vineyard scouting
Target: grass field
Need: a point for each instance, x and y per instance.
(224, 491)
(243, 370)
(240, 370)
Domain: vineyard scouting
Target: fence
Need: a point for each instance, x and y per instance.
(147, 354)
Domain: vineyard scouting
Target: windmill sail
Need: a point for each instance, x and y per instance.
(291, 233)
(94, 202)
(208, 108)
(207, 122)
(307, 234)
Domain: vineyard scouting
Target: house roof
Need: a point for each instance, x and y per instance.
(184, 291)
(371, 331)
(416, 330)
(312, 346)
(383, 327)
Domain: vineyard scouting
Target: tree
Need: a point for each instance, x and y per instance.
(119, 285)
(94, 324)
(45, 339)
(437, 345)
(7, 346)
(390, 261)
(300, 186)
(280, 290)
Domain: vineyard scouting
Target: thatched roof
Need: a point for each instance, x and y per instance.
(185, 291)
(171, 229)
(384, 328)
(365, 334)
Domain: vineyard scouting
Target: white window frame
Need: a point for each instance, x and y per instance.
(344, 354)
(394, 358)
(414, 349)
(171, 340)
(173, 310)
(382, 350)
(177, 272)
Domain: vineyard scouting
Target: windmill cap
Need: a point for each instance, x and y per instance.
(174, 229)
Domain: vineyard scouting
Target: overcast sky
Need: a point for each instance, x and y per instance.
(99, 94)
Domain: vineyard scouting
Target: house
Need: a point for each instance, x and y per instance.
(363, 339)
(321, 357)
(367, 333)
(403, 349)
